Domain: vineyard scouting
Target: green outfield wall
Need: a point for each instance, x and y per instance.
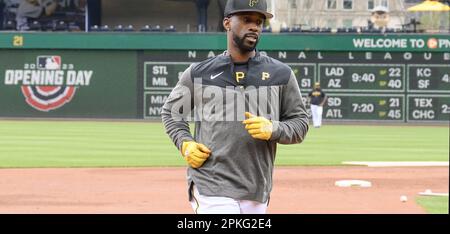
(394, 78)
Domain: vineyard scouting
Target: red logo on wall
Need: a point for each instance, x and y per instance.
(50, 97)
(46, 98)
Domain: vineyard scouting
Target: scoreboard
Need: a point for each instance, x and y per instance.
(365, 106)
(361, 86)
(362, 77)
(429, 78)
(428, 107)
(367, 77)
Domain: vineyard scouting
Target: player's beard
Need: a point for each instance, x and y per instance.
(243, 47)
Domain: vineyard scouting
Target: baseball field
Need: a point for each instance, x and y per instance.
(132, 167)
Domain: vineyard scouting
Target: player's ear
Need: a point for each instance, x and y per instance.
(227, 23)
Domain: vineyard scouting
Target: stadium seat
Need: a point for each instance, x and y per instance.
(48, 26)
(267, 29)
(157, 28)
(105, 28)
(118, 28)
(365, 30)
(73, 27)
(61, 26)
(325, 30)
(146, 28)
(9, 25)
(285, 30)
(375, 31)
(94, 28)
(342, 30)
(35, 26)
(354, 30)
(347, 30)
(312, 30)
(129, 28)
(392, 30)
(296, 29)
(171, 28)
(371, 30)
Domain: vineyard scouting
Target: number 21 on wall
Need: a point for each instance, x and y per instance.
(17, 40)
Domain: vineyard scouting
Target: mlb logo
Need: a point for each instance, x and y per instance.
(49, 62)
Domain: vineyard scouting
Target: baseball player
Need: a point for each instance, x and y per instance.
(231, 159)
(317, 100)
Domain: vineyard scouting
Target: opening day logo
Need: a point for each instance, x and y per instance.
(48, 84)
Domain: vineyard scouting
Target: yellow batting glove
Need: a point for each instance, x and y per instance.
(194, 153)
(258, 127)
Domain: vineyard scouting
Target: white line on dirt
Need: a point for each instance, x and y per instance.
(399, 164)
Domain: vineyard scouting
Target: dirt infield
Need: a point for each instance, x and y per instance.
(163, 190)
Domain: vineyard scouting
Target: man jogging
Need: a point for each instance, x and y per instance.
(243, 104)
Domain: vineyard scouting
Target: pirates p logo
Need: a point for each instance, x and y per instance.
(252, 3)
(265, 76)
(239, 76)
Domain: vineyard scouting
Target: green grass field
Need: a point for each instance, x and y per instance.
(139, 144)
(434, 205)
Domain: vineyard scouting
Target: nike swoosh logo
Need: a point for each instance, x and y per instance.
(215, 76)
